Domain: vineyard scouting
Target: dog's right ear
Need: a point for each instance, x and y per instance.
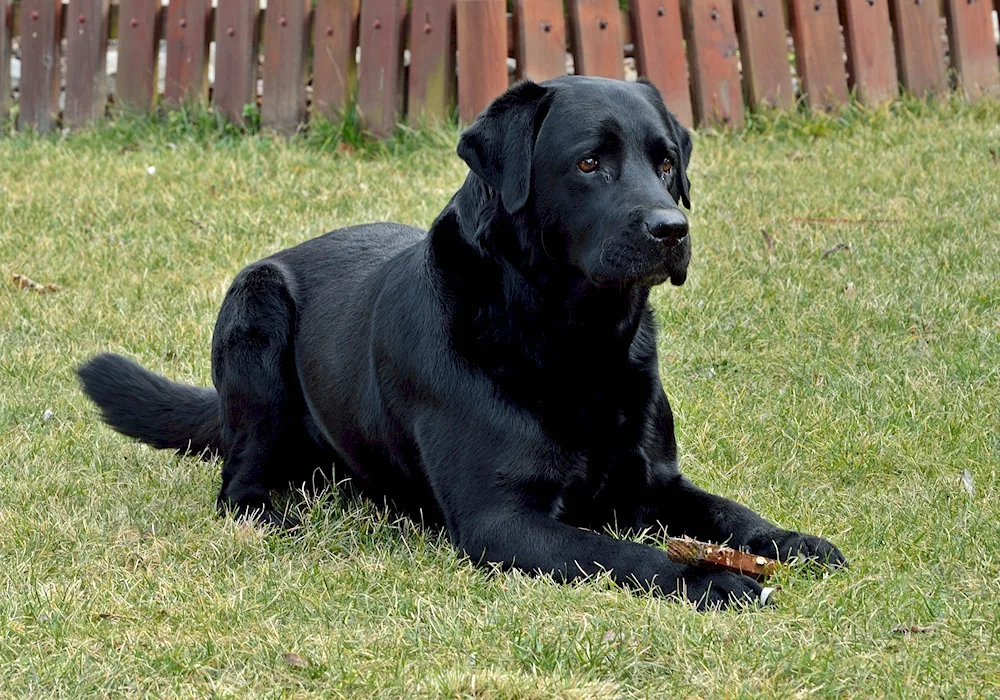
(499, 144)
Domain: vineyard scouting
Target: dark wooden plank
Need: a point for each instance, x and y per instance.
(596, 31)
(335, 36)
(86, 67)
(973, 50)
(482, 55)
(764, 53)
(432, 60)
(187, 51)
(138, 43)
(380, 73)
(39, 64)
(871, 61)
(6, 19)
(818, 52)
(283, 104)
(712, 59)
(919, 53)
(659, 52)
(540, 39)
(235, 57)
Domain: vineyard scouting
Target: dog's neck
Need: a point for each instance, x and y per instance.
(478, 245)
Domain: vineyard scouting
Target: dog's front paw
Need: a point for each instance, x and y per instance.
(788, 545)
(721, 589)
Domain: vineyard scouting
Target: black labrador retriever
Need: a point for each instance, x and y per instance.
(497, 375)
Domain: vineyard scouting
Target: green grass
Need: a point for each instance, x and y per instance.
(841, 395)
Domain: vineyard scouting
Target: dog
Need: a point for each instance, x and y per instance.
(497, 375)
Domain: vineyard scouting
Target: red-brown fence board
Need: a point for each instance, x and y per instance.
(138, 43)
(6, 15)
(540, 39)
(818, 52)
(482, 55)
(712, 59)
(973, 51)
(235, 57)
(187, 51)
(659, 53)
(283, 104)
(596, 30)
(380, 73)
(764, 53)
(919, 52)
(431, 93)
(86, 68)
(871, 60)
(39, 64)
(335, 35)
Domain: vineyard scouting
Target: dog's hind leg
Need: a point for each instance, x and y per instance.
(261, 403)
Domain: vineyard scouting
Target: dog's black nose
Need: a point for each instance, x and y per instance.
(667, 225)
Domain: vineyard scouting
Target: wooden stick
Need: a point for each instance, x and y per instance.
(685, 550)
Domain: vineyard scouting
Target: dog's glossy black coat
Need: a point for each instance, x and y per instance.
(498, 374)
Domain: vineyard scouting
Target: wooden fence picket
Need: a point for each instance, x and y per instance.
(187, 34)
(236, 33)
(712, 58)
(540, 39)
(138, 46)
(764, 53)
(283, 104)
(596, 36)
(86, 56)
(40, 25)
(871, 60)
(482, 55)
(659, 53)
(816, 24)
(431, 95)
(972, 48)
(380, 74)
(919, 52)
(335, 35)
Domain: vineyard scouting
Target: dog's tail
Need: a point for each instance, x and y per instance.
(151, 408)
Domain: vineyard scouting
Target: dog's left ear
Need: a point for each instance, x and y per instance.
(499, 144)
(681, 191)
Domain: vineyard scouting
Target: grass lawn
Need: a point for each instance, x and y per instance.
(842, 394)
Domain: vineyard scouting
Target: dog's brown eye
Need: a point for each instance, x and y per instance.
(665, 166)
(588, 165)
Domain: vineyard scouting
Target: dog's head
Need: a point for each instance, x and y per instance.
(595, 170)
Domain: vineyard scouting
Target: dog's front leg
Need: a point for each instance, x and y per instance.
(672, 501)
(496, 485)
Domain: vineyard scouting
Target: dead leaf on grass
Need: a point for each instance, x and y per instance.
(769, 242)
(914, 629)
(25, 282)
(849, 291)
(295, 660)
(840, 246)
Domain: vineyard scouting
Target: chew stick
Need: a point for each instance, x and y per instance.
(685, 550)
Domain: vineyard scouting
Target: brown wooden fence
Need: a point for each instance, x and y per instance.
(712, 59)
